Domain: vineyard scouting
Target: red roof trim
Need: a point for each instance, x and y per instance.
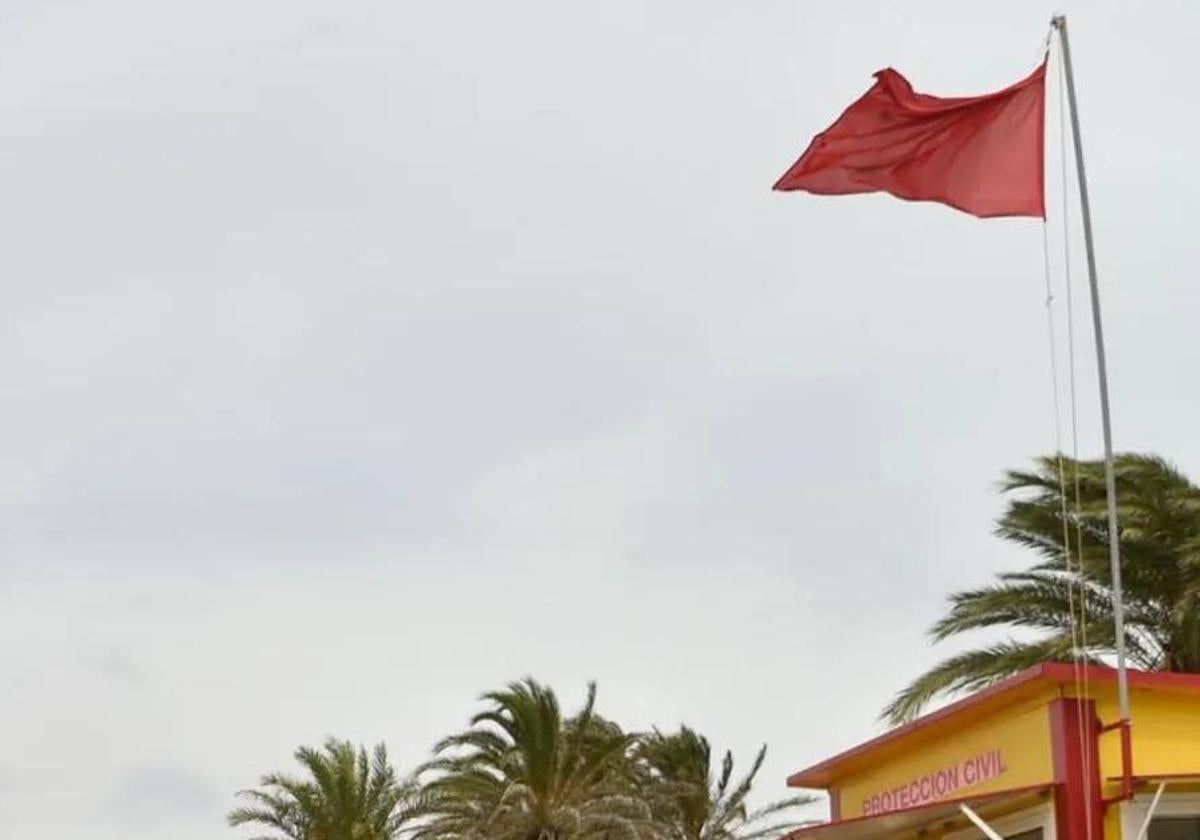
(977, 799)
(1064, 673)
(1055, 673)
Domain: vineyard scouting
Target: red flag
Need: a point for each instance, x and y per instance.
(981, 154)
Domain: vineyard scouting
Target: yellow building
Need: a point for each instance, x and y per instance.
(1039, 756)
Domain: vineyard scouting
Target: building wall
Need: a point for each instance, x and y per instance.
(1010, 749)
(1166, 733)
(1044, 738)
(1166, 740)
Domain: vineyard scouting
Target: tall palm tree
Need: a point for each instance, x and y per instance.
(1068, 603)
(524, 772)
(345, 796)
(691, 803)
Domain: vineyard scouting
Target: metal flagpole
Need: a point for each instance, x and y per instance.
(1114, 547)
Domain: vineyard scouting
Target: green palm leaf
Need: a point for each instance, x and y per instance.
(523, 771)
(1160, 547)
(346, 796)
(692, 802)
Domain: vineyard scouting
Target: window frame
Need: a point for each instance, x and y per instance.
(1133, 812)
(1038, 816)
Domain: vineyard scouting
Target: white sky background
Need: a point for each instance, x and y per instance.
(358, 357)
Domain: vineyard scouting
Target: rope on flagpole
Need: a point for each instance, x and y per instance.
(1070, 492)
(1064, 514)
(1075, 574)
(1075, 618)
(1044, 52)
(1073, 403)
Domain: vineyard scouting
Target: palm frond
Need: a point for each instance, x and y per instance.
(1069, 586)
(974, 670)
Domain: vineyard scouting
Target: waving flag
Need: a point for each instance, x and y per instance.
(980, 154)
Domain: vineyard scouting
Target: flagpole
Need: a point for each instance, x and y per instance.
(1110, 480)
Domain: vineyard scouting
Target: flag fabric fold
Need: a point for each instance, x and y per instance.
(983, 155)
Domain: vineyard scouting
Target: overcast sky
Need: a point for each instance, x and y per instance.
(358, 357)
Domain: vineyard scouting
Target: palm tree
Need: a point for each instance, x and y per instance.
(346, 796)
(1067, 602)
(690, 804)
(524, 772)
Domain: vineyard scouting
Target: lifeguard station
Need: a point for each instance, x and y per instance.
(1040, 756)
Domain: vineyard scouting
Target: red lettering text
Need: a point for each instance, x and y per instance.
(937, 784)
